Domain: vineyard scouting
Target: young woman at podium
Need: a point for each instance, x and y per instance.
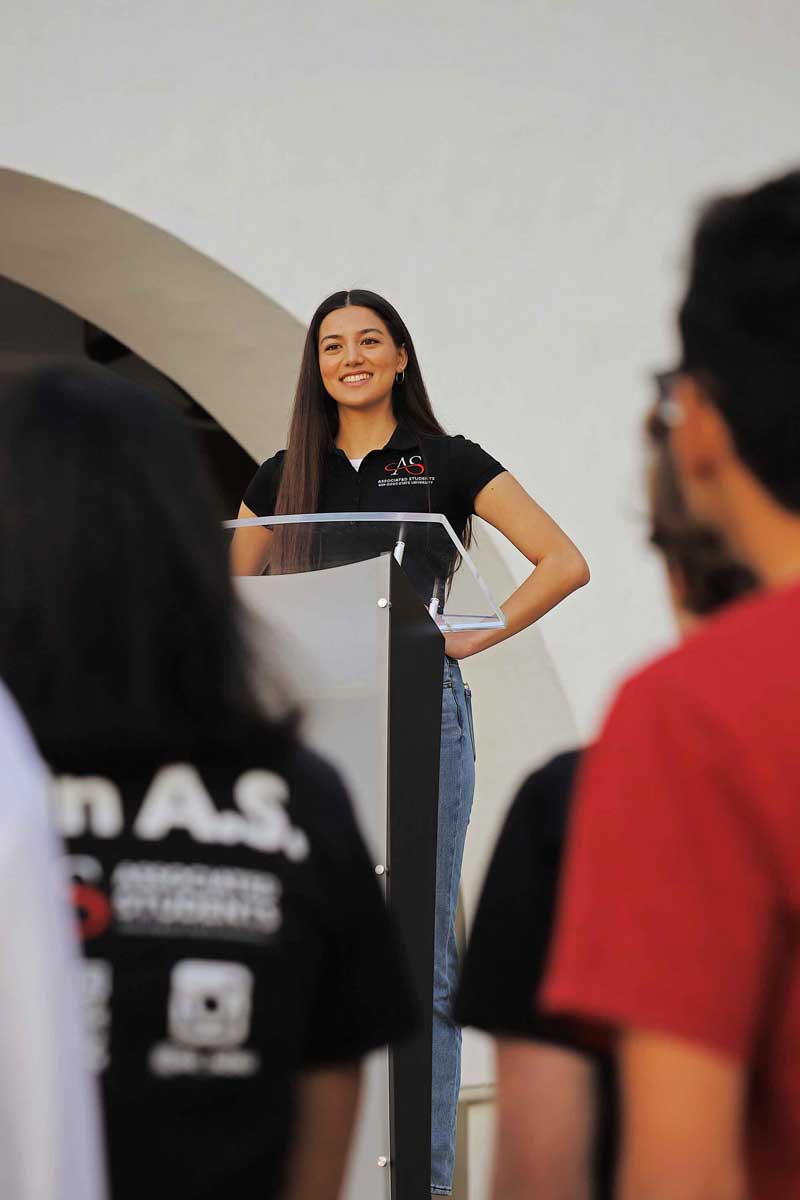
(362, 428)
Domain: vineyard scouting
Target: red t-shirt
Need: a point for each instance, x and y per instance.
(682, 889)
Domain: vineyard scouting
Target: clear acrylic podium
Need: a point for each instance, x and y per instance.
(355, 605)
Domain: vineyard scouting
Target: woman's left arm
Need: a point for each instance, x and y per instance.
(560, 568)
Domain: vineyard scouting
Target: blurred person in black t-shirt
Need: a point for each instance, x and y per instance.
(239, 960)
(557, 1102)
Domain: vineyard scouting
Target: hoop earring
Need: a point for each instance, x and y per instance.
(400, 377)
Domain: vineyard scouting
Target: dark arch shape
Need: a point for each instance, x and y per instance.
(228, 345)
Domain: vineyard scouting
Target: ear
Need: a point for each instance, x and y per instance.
(402, 359)
(700, 440)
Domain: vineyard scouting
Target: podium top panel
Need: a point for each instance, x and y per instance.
(424, 544)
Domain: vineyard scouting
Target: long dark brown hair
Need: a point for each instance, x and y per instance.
(315, 424)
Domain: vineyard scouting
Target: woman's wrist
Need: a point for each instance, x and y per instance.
(467, 642)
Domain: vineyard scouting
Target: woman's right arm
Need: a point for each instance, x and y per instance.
(250, 547)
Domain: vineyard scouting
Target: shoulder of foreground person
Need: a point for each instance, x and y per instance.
(315, 783)
(760, 615)
(547, 792)
(15, 738)
(309, 786)
(24, 779)
(511, 933)
(732, 661)
(538, 815)
(318, 798)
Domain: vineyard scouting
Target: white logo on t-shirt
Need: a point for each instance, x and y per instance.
(209, 1014)
(177, 800)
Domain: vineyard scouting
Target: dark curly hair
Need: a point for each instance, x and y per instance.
(740, 326)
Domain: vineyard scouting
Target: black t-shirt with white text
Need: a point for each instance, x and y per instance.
(511, 935)
(234, 934)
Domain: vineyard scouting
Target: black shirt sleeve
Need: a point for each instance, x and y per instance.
(473, 468)
(508, 947)
(363, 998)
(508, 950)
(262, 490)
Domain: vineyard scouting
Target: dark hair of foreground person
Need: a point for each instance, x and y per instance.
(119, 621)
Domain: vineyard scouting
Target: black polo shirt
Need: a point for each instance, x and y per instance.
(411, 473)
(414, 473)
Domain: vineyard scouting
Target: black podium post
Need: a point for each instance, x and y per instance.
(416, 658)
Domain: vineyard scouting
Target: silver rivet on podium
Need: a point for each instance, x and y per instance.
(383, 1161)
(383, 602)
(380, 869)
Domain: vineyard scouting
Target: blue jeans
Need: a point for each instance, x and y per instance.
(456, 790)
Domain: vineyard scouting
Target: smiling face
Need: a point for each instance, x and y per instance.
(358, 359)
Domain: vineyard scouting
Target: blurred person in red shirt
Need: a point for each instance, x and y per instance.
(679, 915)
(556, 1102)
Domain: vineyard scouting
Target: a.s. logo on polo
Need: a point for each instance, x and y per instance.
(408, 466)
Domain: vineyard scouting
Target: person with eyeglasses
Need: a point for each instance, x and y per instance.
(677, 933)
(557, 1102)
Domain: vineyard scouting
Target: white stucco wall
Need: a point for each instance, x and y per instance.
(517, 177)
